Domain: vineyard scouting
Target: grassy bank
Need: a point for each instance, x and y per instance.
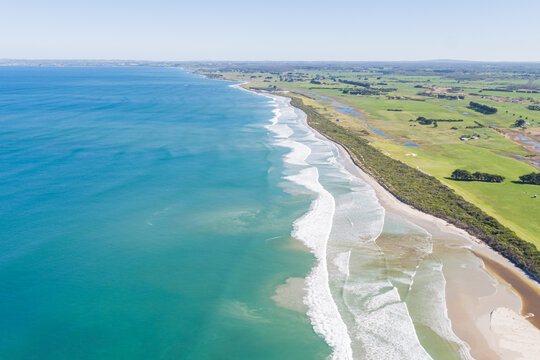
(426, 193)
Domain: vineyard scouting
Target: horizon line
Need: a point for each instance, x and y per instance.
(282, 61)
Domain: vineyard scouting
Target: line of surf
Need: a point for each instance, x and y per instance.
(313, 229)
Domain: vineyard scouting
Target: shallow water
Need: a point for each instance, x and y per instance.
(529, 141)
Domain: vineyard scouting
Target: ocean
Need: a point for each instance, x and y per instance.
(151, 213)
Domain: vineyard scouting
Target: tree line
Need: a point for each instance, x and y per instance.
(477, 126)
(484, 109)
(532, 178)
(423, 121)
(450, 97)
(357, 83)
(466, 175)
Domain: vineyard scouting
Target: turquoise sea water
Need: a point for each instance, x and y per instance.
(149, 213)
(142, 217)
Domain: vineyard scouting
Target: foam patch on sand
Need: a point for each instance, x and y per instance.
(515, 333)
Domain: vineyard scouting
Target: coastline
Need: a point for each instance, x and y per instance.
(511, 287)
(312, 229)
(508, 290)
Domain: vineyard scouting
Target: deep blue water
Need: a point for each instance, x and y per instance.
(142, 218)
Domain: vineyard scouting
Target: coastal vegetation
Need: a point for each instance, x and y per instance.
(426, 193)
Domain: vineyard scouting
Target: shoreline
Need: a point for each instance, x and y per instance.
(313, 230)
(513, 291)
(508, 280)
(469, 312)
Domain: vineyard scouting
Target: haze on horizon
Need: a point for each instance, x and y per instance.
(342, 30)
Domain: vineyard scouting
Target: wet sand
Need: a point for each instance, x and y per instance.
(515, 334)
(529, 294)
(291, 295)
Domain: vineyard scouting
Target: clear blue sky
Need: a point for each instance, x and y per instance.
(494, 30)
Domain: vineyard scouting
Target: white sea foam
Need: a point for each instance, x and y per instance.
(299, 152)
(277, 113)
(342, 262)
(281, 131)
(313, 229)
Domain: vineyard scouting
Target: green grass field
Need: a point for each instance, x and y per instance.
(512, 204)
